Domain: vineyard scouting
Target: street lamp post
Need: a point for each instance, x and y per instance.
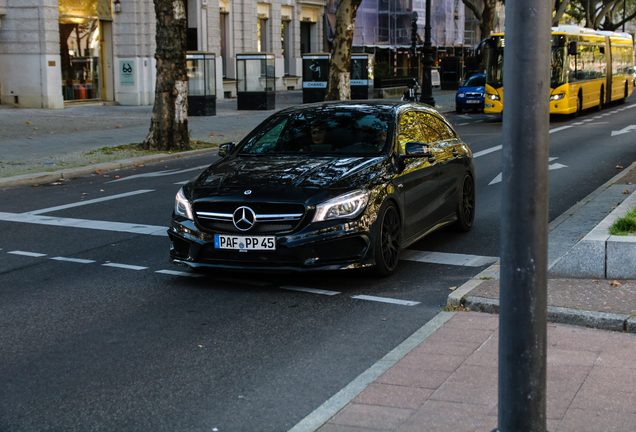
(427, 61)
(414, 45)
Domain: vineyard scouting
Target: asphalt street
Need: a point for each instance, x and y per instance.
(100, 332)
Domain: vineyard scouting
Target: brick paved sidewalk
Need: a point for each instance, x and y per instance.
(449, 382)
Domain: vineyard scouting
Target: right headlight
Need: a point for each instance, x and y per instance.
(556, 97)
(182, 206)
(492, 96)
(346, 206)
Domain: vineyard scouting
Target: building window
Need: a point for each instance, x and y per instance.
(284, 41)
(262, 35)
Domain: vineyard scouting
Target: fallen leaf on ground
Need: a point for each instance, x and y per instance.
(616, 283)
(85, 193)
(626, 191)
(28, 122)
(116, 176)
(106, 175)
(117, 127)
(98, 171)
(36, 185)
(61, 179)
(619, 167)
(452, 288)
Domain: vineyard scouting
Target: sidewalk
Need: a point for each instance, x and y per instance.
(443, 377)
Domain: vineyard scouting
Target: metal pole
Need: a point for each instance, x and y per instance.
(414, 45)
(427, 61)
(524, 218)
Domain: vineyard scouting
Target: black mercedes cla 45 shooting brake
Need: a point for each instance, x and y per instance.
(324, 187)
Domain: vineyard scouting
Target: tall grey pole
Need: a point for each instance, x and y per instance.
(427, 61)
(524, 217)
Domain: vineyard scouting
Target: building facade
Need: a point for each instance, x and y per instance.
(56, 52)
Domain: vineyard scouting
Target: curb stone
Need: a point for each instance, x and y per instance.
(43, 178)
(583, 318)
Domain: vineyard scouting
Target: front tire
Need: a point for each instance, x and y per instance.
(388, 240)
(466, 205)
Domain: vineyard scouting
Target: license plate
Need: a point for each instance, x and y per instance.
(472, 101)
(244, 243)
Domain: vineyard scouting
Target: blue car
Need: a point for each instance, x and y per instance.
(471, 95)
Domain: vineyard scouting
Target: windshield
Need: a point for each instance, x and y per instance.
(357, 131)
(559, 70)
(475, 81)
(494, 69)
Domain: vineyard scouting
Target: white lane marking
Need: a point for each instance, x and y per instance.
(559, 129)
(478, 121)
(92, 201)
(386, 300)
(179, 273)
(182, 182)
(243, 281)
(84, 223)
(29, 254)
(75, 260)
(550, 167)
(625, 130)
(485, 152)
(463, 124)
(124, 266)
(448, 258)
(159, 173)
(310, 290)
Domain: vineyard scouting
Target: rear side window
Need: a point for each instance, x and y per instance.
(409, 130)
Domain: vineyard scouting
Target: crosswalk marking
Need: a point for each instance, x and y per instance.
(310, 290)
(74, 260)
(124, 266)
(386, 300)
(179, 273)
(448, 258)
(29, 254)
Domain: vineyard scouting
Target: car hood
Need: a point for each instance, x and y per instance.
(278, 174)
(481, 89)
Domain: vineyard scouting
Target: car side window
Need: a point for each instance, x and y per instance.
(430, 127)
(444, 129)
(409, 130)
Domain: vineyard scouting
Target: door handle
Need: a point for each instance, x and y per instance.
(431, 159)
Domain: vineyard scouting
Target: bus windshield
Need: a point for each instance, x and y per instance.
(559, 69)
(494, 65)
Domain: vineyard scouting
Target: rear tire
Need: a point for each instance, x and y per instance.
(466, 205)
(388, 240)
(622, 101)
(579, 105)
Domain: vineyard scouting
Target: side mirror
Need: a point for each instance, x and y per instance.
(417, 149)
(572, 48)
(224, 149)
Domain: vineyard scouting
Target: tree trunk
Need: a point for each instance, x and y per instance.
(339, 87)
(169, 123)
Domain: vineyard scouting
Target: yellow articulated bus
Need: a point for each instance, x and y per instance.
(589, 69)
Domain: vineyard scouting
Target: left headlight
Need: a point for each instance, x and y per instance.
(346, 206)
(461, 95)
(182, 206)
(492, 96)
(556, 97)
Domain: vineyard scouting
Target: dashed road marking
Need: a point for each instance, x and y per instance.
(448, 258)
(91, 201)
(386, 300)
(29, 254)
(179, 273)
(73, 260)
(310, 290)
(124, 266)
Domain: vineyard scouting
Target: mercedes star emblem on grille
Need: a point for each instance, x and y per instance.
(244, 218)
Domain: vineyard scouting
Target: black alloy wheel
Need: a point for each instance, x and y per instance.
(388, 240)
(466, 205)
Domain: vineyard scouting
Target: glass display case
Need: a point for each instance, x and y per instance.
(201, 68)
(361, 76)
(255, 81)
(315, 76)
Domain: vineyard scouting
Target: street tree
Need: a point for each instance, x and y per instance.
(599, 15)
(169, 122)
(339, 86)
(485, 15)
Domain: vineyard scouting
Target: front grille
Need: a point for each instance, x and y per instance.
(474, 95)
(270, 218)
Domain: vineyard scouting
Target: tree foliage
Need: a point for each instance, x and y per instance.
(169, 123)
(598, 15)
(338, 87)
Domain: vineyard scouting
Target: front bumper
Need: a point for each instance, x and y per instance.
(324, 246)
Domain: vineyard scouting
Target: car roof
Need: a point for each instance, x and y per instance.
(382, 105)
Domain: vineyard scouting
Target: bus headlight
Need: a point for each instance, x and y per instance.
(492, 96)
(556, 97)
